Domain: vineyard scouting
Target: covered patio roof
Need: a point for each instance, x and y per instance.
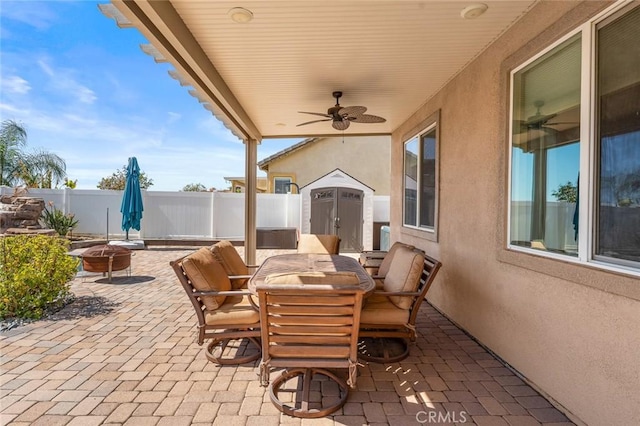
(390, 56)
(256, 64)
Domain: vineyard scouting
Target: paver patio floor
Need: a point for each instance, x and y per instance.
(124, 353)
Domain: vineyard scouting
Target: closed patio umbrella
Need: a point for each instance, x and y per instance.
(131, 207)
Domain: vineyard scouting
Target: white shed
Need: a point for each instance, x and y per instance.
(341, 182)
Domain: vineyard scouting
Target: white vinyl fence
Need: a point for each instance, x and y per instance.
(178, 215)
(559, 233)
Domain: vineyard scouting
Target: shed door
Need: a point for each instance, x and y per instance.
(338, 211)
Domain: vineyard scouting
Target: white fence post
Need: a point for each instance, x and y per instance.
(213, 230)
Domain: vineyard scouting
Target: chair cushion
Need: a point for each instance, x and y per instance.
(340, 278)
(381, 310)
(323, 244)
(236, 310)
(206, 274)
(383, 269)
(404, 275)
(225, 253)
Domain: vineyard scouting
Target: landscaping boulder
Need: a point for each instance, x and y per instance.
(20, 213)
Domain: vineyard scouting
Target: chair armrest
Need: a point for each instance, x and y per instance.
(239, 277)
(397, 293)
(253, 266)
(223, 293)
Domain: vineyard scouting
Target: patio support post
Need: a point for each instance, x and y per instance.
(251, 170)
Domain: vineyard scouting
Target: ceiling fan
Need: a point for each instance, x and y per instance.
(540, 121)
(342, 117)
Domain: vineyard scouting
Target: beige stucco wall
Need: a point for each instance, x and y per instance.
(365, 158)
(571, 330)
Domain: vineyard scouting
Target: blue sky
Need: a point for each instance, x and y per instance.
(84, 90)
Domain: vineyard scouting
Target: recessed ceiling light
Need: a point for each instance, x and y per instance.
(474, 10)
(240, 15)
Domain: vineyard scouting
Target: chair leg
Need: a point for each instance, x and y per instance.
(383, 350)
(304, 407)
(217, 347)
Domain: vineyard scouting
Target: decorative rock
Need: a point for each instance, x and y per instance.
(29, 224)
(28, 208)
(21, 213)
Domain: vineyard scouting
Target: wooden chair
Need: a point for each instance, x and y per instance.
(224, 314)
(318, 243)
(306, 329)
(389, 316)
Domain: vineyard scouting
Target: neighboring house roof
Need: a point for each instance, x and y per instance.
(240, 180)
(264, 164)
(305, 161)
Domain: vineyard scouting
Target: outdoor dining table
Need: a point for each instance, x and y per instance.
(307, 262)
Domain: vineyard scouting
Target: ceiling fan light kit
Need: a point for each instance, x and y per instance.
(341, 117)
(340, 125)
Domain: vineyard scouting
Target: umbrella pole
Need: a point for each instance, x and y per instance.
(126, 238)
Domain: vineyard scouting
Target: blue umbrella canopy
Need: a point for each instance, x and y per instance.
(131, 207)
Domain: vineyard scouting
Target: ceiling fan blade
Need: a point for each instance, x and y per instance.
(315, 113)
(367, 118)
(352, 110)
(340, 124)
(557, 123)
(538, 119)
(314, 121)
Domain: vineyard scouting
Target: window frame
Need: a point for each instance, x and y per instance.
(429, 124)
(589, 156)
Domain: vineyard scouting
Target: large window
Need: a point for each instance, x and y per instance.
(420, 180)
(575, 146)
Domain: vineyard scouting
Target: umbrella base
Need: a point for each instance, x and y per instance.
(130, 244)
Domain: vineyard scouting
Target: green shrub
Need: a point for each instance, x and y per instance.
(34, 275)
(58, 221)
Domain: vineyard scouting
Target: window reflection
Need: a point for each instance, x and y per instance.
(618, 209)
(411, 182)
(546, 151)
(428, 182)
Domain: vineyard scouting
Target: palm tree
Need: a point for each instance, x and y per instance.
(40, 169)
(12, 137)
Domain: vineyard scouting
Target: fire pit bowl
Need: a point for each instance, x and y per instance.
(106, 258)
